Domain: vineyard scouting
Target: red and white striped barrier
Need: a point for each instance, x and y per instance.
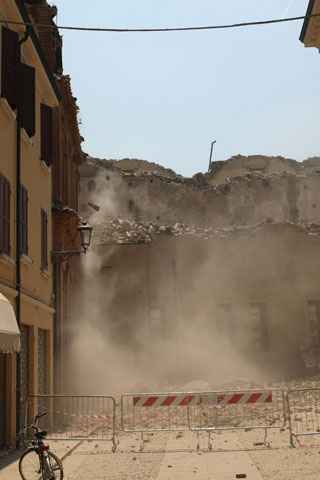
(185, 400)
(165, 400)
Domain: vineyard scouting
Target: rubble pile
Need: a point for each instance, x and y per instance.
(132, 166)
(119, 231)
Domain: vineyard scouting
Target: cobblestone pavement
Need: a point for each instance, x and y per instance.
(95, 461)
(174, 456)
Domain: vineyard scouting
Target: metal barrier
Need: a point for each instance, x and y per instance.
(304, 413)
(75, 417)
(156, 412)
(80, 417)
(209, 412)
(238, 410)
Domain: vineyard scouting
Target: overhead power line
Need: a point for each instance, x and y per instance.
(165, 29)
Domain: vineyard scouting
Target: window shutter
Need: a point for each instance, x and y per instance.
(2, 217)
(24, 220)
(26, 216)
(28, 98)
(46, 134)
(9, 69)
(7, 217)
(44, 240)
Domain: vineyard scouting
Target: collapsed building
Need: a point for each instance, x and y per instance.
(218, 267)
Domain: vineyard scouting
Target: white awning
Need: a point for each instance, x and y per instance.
(9, 330)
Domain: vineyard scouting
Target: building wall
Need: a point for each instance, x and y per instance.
(65, 177)
(242, 200)
(222, 285)
(241, 165)
(248, 291)
(36, 285)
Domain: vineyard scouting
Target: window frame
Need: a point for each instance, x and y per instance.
(46, 134)
(24, 218)
(44, 241)
(5, 215)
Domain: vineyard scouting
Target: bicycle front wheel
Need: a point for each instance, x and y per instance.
(29, 465)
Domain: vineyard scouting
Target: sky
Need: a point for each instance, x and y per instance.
(163, 97)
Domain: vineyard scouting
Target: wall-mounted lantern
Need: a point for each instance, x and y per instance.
(85, 235)
(85, 230)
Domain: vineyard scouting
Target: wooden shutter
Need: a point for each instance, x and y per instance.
(46, 134)
(24, 220)
(7, 216)
(5, 194)
(28, 98)
(44, 240)
(2, 216)
(9, 69)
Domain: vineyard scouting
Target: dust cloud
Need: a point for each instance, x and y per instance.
(176, 314)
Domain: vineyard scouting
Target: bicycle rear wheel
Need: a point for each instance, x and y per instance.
(53, 469)
(30, 467)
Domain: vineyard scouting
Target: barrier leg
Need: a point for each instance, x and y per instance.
(198, 441)
(292, 444)
(114, 443)
(141, 442)
(265, 439)
(210, 441)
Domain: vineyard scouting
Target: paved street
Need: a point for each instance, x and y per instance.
(95, 460)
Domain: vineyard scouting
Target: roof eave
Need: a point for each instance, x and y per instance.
(306, 20)
(36, 42)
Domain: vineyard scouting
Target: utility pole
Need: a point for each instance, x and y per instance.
(211, 153)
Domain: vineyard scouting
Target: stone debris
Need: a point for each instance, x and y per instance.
(120, 231)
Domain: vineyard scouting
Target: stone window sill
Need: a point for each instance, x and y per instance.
(8, 110)
(45, 166)
(26, 138)
(6, 259)
(45, 274)
(26, 260)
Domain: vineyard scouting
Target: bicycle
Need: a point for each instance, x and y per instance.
(37, 462)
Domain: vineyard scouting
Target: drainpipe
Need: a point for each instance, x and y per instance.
(18, 240)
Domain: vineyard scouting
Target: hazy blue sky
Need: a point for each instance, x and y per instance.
(164, 96)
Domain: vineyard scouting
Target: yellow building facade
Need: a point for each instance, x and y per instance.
(25, 151)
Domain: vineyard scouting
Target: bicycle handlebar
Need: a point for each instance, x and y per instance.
(34, 425)
(40, 415)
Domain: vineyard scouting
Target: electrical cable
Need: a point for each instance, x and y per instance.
(164, 29)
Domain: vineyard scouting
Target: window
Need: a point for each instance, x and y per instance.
(314, 321)
(4, 215)
(24, 220)
(224, 320)
(9, 66)
(44, 240)
(91, 186)
(46, 134)
(259, 326)
(28, 98)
